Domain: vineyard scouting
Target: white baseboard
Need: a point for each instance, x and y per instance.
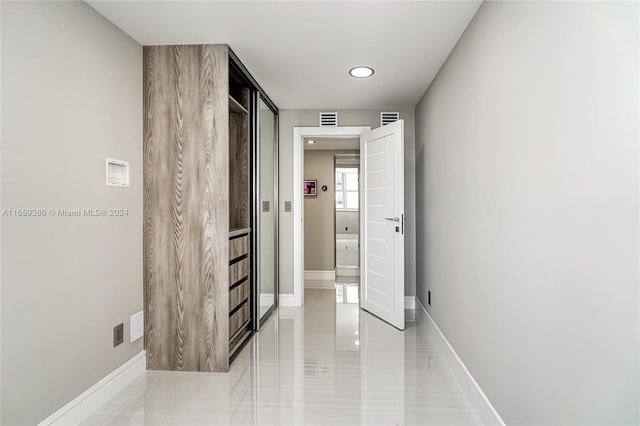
(479, 400)
(97, 395)
(286, 299)
(409, 302)
(319, 275)
(266, 299)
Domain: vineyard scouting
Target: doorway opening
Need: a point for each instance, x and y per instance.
(382, 217)
(331, 205)
(299, 175)
(347, 217)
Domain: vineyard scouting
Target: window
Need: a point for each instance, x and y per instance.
(347, 188)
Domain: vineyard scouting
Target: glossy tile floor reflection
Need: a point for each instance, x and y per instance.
(328, 363)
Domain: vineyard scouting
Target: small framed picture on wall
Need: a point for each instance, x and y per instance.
(310, 188)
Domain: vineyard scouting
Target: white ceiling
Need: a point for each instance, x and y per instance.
(300, 51)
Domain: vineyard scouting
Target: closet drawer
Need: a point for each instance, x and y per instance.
(238, 318)
(238, 295)
(238, 247)
(238, 271)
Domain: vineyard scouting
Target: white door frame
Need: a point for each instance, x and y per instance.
(299, 133)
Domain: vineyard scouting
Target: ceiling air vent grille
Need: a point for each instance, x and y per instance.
(328, 119)
(388, 117)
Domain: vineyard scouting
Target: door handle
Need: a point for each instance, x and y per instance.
(395, 219)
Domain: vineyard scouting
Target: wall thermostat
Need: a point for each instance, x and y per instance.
(117, 173)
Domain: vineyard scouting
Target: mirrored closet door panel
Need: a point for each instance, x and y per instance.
(268, 211)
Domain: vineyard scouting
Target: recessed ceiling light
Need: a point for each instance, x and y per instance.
(361, 72)
(311, 141)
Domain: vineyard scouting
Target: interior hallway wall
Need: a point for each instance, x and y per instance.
(71, 96)
(527, 198)
(309, 118)
(319, 216)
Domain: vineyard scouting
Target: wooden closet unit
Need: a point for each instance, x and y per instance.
(197, 208)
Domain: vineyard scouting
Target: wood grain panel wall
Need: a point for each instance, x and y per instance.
(186, 207)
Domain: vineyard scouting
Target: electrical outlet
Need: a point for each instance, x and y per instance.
(429, 297)
(118, 334)
(287, 206)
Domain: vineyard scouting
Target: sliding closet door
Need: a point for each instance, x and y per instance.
(268, 211)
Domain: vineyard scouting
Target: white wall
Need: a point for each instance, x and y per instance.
(309, 118)
(319, 216)
(71, 96)
(527, 198)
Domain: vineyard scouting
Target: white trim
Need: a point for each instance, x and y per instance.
(409, 302)
(286, 299)
(299, 133)
(479, 400)
(319, 275)
(321, 284)
(97, 395)
(298, 228)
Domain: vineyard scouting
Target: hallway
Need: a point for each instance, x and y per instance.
(326, 363)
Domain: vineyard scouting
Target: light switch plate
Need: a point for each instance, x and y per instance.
(287, 206)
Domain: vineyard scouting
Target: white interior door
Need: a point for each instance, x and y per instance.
(382, 286)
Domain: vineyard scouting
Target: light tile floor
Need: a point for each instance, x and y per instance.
(328, 363)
